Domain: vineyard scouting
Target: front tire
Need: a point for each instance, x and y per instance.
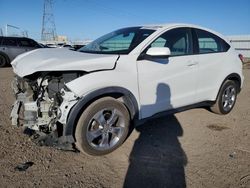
(226, 98)
(103, 127)
(3, 61)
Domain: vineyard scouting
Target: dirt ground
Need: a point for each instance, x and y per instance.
(195, 148)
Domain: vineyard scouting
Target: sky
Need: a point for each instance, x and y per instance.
(89, 19)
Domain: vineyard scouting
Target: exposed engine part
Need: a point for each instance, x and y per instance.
(40, 102)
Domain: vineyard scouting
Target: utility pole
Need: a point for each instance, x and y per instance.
(48, 25)
(25, 33)
(11, 26)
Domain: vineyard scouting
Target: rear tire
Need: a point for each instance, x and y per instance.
(226, 98)
(103, 127)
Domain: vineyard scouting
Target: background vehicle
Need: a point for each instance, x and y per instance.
(10, 47)
(94, 97)
(68, 46)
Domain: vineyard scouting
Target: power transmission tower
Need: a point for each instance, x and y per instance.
(48, 25)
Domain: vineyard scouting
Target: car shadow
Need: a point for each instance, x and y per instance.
(157, 158)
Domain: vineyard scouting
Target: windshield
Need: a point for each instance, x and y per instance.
(121, 41)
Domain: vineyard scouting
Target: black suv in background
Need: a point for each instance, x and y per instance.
(10, 47)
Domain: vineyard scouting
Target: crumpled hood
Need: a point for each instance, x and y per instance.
(57, 59)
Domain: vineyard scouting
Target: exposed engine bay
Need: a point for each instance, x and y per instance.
(43, 101)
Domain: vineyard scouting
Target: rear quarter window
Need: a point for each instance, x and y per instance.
(210, 43)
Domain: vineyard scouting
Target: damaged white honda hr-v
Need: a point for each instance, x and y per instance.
(93, 97)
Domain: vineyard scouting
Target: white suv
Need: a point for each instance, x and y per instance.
(93, 97)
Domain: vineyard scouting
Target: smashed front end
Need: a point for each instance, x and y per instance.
(43, 103)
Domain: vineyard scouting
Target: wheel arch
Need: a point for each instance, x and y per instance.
(234, 77)
(122, 94)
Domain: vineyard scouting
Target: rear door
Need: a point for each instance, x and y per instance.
(170, 82)
(212, 57)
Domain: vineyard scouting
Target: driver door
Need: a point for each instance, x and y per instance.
(166, 83)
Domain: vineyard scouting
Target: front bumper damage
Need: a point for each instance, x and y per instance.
(43, 114)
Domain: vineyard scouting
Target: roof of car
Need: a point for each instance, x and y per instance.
(170, 25)
(167, 25)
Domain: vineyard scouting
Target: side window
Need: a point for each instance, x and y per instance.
(177, 40)
(9, 42)
(27, 43)
(23, 43)
(210, 43)
(33, 43)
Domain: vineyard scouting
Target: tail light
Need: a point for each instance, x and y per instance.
(241, 58)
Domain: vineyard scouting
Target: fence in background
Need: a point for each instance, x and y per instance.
(242, 44)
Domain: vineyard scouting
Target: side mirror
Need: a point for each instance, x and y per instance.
(158, 52)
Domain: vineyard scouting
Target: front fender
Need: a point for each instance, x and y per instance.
(75, 113)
